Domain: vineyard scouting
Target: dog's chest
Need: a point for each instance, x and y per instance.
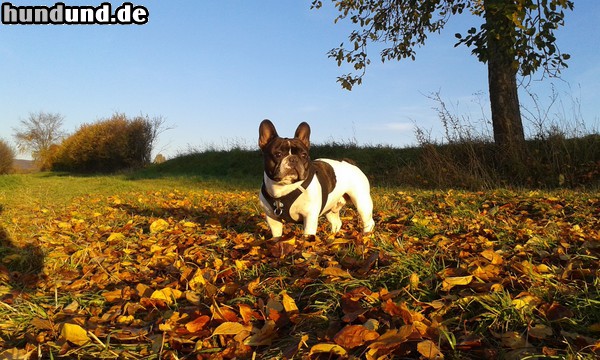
(311, 196)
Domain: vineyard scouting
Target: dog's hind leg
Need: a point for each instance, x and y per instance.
(364, 206)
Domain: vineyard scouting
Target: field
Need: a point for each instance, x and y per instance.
(106, 267)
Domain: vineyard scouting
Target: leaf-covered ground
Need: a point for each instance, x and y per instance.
(149, 272)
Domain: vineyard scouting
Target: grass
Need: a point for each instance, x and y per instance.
(497, 273)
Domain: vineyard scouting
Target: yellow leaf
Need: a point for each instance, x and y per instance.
(125, 319)
(168, 295)
(241, 264)
(493, 257)
(525, 302)
(115, 237)
(289, 304)
(74, 334)
(189, 224)
(414, 281)
(429, 350)
(451, 282)
(159, 225)
(230, 328)
(16, 354)
(337, 272)
(328, 348)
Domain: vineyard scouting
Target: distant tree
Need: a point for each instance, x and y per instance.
(159, 159)
(7, 157)
(38, 133)
(516, 36)
(113, 144)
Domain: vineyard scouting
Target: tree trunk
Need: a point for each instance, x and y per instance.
(502, 78)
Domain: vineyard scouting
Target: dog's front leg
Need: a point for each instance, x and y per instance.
(311, 222)
(276, 227)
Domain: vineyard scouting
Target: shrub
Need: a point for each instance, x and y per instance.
(114, 144)
(7, 157)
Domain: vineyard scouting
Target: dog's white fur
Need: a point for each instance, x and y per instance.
(350, 180)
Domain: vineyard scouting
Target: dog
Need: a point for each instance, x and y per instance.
(298, 190)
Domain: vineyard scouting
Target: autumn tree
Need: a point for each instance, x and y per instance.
(39, 134)
(7, 157)
(517, 36)
(108, 145)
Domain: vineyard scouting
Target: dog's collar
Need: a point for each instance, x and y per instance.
(280, 206)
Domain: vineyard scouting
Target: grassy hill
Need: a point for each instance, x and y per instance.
(474, 165)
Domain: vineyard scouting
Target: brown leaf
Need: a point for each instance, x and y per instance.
(354, 335)
(540, 331)
(263, 336)
(513, 340)
(557, 311)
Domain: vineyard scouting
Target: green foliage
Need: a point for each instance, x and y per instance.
(525, 28)
(109, 145)
(7, 156)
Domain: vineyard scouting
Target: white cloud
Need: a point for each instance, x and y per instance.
(399, 126)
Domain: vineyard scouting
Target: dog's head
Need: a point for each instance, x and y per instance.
(286, 160)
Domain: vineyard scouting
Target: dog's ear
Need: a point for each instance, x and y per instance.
(266, 133)
(303, 133)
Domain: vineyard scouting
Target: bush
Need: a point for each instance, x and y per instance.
(109, 145)
(7, 157)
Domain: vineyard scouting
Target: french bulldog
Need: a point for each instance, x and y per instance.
(298, 190)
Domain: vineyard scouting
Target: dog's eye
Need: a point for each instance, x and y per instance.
(278, 154)
(304, 155)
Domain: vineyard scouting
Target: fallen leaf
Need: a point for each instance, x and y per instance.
(328, 349)
(289, 304)
(74, 334)
(429, 350)
(115, 237)
(263, 336)
(513, 340)
(230, 328)
(159, 226)
(336, 272)
(451, 282)
(167, 295)
(16, 354)
(353, 336)
(540, 331)
(197, 324)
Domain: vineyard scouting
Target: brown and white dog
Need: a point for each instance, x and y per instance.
(296, 189)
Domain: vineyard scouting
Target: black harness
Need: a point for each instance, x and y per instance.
(281, 205)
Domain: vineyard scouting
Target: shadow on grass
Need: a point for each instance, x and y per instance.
(20, 266)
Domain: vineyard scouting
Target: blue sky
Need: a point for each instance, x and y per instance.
(215, 69)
